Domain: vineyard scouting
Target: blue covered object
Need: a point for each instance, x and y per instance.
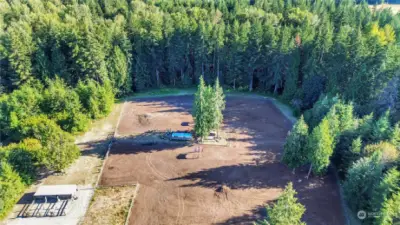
(181, 136)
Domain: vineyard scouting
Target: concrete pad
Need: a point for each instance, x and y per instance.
(74, 213)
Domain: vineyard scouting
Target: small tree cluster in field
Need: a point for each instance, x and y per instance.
(365, 151)
(208, 106)
(286, 210)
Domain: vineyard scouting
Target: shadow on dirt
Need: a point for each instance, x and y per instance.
(255, 214)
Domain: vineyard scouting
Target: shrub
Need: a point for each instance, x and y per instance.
(11, 188)
(59, 149)
(22, 158)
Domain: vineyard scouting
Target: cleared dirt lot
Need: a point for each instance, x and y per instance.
(178, 190)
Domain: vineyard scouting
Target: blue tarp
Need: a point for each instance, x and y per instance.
(182, 135)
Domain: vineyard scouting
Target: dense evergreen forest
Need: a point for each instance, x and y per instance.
(63, 62)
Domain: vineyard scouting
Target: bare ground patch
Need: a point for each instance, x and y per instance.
(226, 184)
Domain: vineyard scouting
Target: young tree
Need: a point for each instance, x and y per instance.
(201, 111)
(295, 153)
(395, 135)
(381, 128)
(390, 211)
(389, 184)
(208, 105)
(319, 147)
(218, 105)
(286, 210)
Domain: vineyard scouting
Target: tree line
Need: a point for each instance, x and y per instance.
(63, 62)
(365, 152)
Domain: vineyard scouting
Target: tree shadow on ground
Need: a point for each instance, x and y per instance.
(170, 101)
(95, 148)
(127, 146)
(239, 176)
(315, 193)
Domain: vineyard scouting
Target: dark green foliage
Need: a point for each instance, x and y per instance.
(346, 151)
(320, 147)
(395, 135)
(298, 49)
(390, 211)
(286, 210)
(201, 111)
(97, 100)
(63, 105)
(381, 128)
(208, 105)
(16, 107)
(320, 109)
(389, 185)
(295, 154)
(361, 179)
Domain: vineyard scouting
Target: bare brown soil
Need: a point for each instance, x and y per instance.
(394, 7)
(227, 184)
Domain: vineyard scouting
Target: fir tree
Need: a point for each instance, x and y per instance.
(390, 184)
(319, 147)
(286, 210)
(361, 179)
(395, 135)
(201, 110)
(295, 154)
(218, 101)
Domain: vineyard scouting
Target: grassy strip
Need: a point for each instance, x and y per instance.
(164, 92)
(110, 205)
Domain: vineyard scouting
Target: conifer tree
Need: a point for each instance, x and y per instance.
(395, 135)
(390, 184)
(360, 181)
(201, 110)
(295, 154)
(381, 128)
(390, 211)
(319, 148)
(286, 210)
(218, 105)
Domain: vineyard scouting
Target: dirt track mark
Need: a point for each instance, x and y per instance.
(153, 168)
(181, 206)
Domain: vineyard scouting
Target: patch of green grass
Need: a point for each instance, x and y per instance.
(165, 91)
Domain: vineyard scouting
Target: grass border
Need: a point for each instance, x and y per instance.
(132, 203)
